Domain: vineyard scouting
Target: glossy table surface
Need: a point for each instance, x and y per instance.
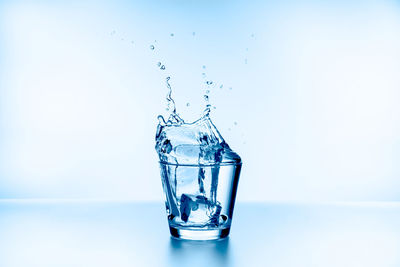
(100, 233)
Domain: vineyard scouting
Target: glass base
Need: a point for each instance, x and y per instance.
(199, 234)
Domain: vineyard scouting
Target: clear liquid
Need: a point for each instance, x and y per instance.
(199, 170)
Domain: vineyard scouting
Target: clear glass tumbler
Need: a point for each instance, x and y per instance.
(200, 199)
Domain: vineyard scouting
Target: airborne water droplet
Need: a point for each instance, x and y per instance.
(187, 104)
(221, 86)
(206, 97)
(152, 47)
(162, 67)
(235, 123)
(193, 33)
(204, 67)
(230, 88)
(207, 91)
(209, 82)
(159, 64)
(172, 35)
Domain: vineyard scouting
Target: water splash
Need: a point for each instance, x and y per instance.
(170, 100)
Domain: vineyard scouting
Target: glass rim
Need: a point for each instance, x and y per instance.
(202, 165)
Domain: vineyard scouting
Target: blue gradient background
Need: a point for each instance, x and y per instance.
(316, 105)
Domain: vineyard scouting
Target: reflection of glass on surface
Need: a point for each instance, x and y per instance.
(210, 253)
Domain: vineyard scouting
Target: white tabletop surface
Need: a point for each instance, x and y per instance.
(100, 233)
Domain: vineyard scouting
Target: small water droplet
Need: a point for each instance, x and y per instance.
(112, 32)
(172, 35)
(230, 88)
(214, 107)
(221, 86)
(159, 64)
(187, 104)
(132, 42)
(247, 49)
(209, 82)
(207, 91)
(162, 67)
(155, 41)
(168, 78)
(204, 66)
(252, 35)
(235, 123)
(206, 97)
(245, 61)
(229, 129)
(122, 39)
(152, 47)
(193, 33)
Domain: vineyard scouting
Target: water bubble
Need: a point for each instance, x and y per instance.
(159, 64)
(208, 91)
(162, 67)
(172, 35)
(206, 97)
(152, 47)
(187, 104)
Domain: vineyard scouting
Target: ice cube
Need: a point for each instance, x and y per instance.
(199, 210)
